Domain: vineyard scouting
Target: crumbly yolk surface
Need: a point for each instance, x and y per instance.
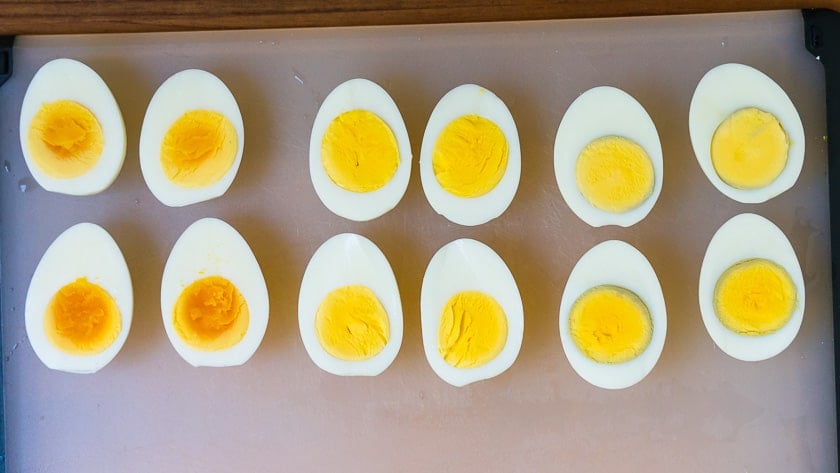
(755, 297)
(610, 324)
(351, 324)
(614, 174)
(473, 329)
(749, 149)
(211, 314)
(359, 151)
(82, 318)
(65, 139)
(470, 156)
(198, 149)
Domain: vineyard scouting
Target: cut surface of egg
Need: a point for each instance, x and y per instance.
(612, 316)
(608, 158)
(751, 290)
(349, 309)
(71, 130)
(746, 133)
(471, 313)
(192, 139)
(213, 296)
(80, 301)
(359, 152)
(470, 160)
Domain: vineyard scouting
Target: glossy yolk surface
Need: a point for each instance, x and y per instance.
(359, 151)
(470, 156)
(755, 297)
(351, 324)
(211, 314)
(473, 329)
(198, 149)
(65, 139)
(82, 318)
(614, 174)
(749, 149)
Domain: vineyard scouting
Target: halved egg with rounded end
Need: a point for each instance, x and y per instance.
(359, 152)
(752, 294)
(612, 316)
(192, 139)
(71, 129)
(608, 158)
(80, 301)
(470, 159)
(471, 313)
(213, 296)
(349, 310)
(746, 133)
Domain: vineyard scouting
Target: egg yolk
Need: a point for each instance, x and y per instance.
(359, 151)
(610, 324)
(749, 149)
(198, 149)
(82, 318)
(65, 139)
(470, 156)
(473, 329)
(614, 174)
(211, 314)
(351, 324)
(754, 297)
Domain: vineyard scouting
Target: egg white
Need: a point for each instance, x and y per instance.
(721, 92)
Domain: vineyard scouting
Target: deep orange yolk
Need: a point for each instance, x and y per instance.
(82, 318)
(211, 314)
(65, 139)
(198, 149)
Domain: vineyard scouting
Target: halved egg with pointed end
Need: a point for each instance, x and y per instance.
(349, 310)
(71, 130)
(752, 294)
(213, 296)
(192, 139)
(80, 301)
(612, 316)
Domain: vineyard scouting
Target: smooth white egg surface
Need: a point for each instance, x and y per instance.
(71, 329)
(347, 336)
(745, 237)
(494, 193)
(213, 278)
(598, 113)
(71, 130)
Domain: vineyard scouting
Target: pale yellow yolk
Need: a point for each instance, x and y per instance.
(351, 324)
(754, 297)
(473, 329)
(610, 324)
(470, 156)
(749, 149)
(65, 139)
(198, 149)
(614, 174)
(211, 314)
(359, 151)
(82, 318)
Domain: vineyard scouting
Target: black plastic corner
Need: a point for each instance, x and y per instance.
(6, 43)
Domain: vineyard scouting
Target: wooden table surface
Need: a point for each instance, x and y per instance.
(104, 16)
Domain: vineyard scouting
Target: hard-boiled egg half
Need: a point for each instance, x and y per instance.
(71, 129)
(359, 153)
(192, 139)
(349, 309)
(752, 295)
(471, 313)
(612, 316)
(608, 158)
(80, 301)
(470, 159)
(746, 133)
(213, 296)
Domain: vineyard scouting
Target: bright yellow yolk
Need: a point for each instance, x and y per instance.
(749, 149)
(198, 149)
(211, 314)
(614, 174)
(755, 297)
(351, 324)
(82, 318)
(359, 151)
(473, 330)
(470, 156)
(65, 139)
(610, 324)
